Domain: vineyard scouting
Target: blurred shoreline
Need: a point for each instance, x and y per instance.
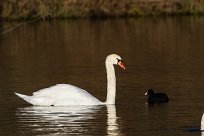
(47, 9)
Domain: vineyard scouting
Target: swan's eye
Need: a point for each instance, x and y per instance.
(120, 63)
(119, 60)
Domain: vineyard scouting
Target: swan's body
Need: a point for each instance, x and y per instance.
(61, 95)
(66, 94)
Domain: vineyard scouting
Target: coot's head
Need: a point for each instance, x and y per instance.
(149, 92)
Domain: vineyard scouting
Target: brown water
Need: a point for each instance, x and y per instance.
(165, 54)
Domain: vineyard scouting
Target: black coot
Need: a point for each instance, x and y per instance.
(156, 97)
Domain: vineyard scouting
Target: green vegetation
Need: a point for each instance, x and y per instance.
(189, 7)
(29, 9)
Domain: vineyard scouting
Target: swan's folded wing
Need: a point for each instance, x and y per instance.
(66, 94)
(42, 101)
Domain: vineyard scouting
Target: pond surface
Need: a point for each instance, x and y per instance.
(165, 54)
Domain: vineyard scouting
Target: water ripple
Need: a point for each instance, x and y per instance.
(72, 120)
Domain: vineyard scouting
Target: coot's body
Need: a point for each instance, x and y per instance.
(156, 97)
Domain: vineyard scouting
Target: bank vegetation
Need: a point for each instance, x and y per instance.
(29, 9)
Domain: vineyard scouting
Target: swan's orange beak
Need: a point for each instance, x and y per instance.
(121, 64)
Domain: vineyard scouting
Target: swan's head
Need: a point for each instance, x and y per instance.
(115, 60)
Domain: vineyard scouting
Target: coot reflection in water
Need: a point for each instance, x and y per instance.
(71, 120)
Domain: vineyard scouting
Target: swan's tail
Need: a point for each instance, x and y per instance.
(202, 123)
(25, 97)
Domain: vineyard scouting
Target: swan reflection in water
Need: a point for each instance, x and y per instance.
(112, 125)
(72, 120)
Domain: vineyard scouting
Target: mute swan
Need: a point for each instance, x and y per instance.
(66, 94)
(202, 123)
(201, 129)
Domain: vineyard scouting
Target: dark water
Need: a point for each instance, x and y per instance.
(166, 54)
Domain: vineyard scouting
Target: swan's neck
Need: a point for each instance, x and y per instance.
(202, 123)
(111, 84)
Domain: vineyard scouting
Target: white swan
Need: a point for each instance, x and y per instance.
(66, 94)
(202, 123)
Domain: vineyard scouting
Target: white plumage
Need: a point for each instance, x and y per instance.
(66, 94)
(202, 123)
(61, 95)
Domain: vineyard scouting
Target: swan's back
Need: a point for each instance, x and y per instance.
(64, 94)
(62, 90)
